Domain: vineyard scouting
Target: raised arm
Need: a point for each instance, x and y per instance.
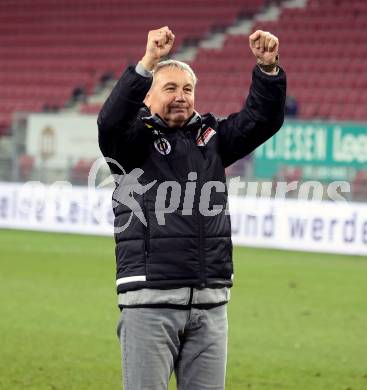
(263, 113)
(116, 131)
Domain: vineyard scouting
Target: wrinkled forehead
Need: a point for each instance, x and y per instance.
(172, 74)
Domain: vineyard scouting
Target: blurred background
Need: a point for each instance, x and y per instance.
(60, 59)
(297, 316)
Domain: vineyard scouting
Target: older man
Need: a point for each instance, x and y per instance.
(174, 253)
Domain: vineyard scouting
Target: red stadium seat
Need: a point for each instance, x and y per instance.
(41, 63)
(74, 45)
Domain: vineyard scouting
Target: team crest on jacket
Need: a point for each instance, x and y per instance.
(162, 145)
(204, 138)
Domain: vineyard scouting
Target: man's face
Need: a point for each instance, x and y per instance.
(172, 96)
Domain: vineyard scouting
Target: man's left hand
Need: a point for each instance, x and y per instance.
(264, 46)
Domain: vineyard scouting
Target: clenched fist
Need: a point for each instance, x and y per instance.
(159, 44)
(264, 46)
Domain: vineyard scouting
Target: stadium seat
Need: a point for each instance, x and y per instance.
(41, 63)
(359, 186)
(25, 166)
(80, 171)
(50, 47)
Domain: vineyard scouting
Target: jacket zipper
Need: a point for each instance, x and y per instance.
(189, 140)
(201, 242)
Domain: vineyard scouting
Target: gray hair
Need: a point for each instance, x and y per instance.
(176, 64)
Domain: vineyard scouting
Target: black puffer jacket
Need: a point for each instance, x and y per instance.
(190, 249)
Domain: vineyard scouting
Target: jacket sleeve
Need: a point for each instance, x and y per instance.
(118, 136)
(260, 118)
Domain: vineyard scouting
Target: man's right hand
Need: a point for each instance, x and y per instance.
(159, 44)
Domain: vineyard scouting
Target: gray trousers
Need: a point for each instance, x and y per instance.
(157, 341)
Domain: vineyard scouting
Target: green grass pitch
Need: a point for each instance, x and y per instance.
(297, 320)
